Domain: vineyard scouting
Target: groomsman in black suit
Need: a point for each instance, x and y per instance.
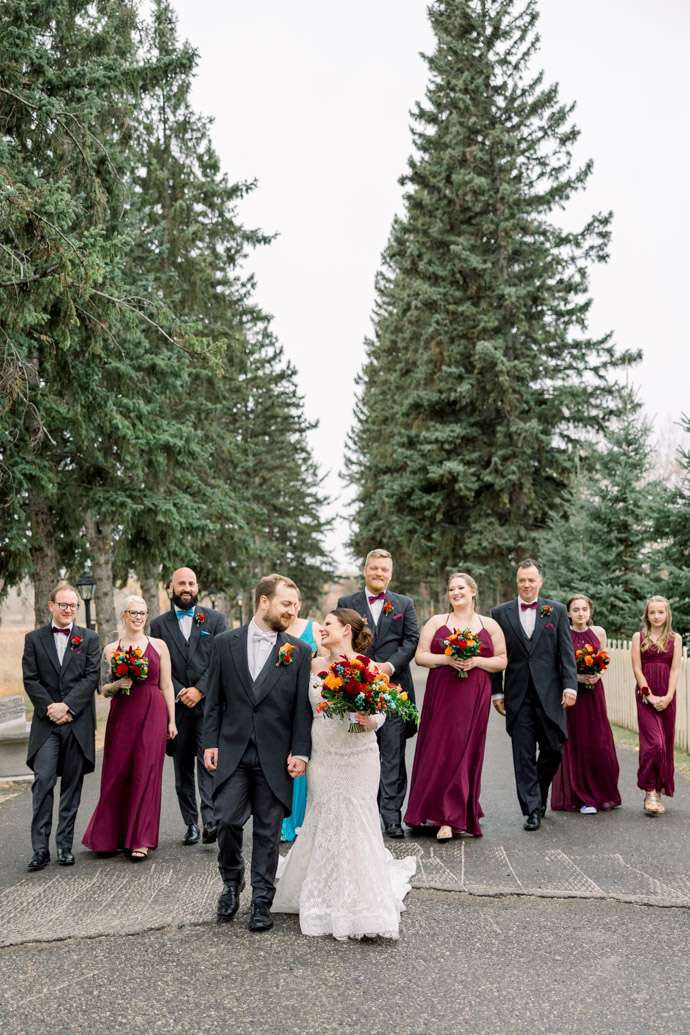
(257, 733)
(60, 667)
(540, 683)
(393, 620)
(188, 631)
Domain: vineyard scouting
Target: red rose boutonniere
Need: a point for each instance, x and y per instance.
(199, 618)
(387, 607)
(75, 641)
(546, 610)
(285, 654)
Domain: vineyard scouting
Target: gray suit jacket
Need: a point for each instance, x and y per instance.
(191, 658)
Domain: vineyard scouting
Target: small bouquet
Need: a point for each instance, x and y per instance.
(351, 685)
(130, 664)
(462, 644)
(591, 662)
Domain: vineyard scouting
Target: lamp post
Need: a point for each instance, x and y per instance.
(213, 592)
(85, 588)
(239, 600)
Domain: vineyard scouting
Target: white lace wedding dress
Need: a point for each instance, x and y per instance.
(338, 875)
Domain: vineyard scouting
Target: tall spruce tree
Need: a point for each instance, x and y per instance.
(672, 527)
(481, 371)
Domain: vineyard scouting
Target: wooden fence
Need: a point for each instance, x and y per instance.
(619, 686)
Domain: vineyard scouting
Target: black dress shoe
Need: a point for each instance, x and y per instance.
(260, 919)
(210, 833)
(65, 857)
(39, 859)
(229, 901)
(394, 830)
(191, 835)
(542, 811)
(533, 820)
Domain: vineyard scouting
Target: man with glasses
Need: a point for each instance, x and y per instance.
(60, 667)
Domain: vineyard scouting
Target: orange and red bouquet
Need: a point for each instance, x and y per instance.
(590, 661)
(130, 664)
(462, 644)
(351, 685)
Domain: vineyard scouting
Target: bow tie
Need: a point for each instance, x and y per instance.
(379, 596)
(257, 634)
(528, 607)
(65, 632)
(185, 614)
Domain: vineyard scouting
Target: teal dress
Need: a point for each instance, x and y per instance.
(294, 821)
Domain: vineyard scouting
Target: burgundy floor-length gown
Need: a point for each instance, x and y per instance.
(446, 776)
(588, 773)
(657, 729)
(128, 811)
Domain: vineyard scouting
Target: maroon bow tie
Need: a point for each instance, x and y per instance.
(379, 596)
(528, 607)
(65, 632)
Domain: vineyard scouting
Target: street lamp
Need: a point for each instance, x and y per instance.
(239, 600)
(212, 592)
(85, 587)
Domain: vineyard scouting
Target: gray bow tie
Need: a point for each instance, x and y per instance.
(258, 635)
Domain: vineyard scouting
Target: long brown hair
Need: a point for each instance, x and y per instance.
(646, 638)
(361, 633)
(588, 602)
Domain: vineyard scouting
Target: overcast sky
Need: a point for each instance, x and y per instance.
(312, 99)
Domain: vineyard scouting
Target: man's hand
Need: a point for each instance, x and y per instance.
(500, 706)
(568, 699)
(384, 667)
(295, 766)
(190, 696)
(211, 759)
(57, 712)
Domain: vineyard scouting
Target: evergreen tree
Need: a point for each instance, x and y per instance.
(672, 528)
(481, 371)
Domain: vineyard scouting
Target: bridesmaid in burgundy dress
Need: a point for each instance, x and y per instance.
(448, 760)
(128, 811)
(587, 779)
(656, 658)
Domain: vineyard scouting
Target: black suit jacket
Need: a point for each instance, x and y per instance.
(548, 658)
(74, 683)
(395, 637)
(274, 711)
(190, 659)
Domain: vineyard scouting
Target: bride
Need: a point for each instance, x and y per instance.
(338, 875)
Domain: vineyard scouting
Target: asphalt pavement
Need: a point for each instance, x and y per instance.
(583, 925)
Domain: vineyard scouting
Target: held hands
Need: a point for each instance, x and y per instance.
(500, 706)
(660, 703)
(172, 731)
(125, 683)
(190, 696)
(568, 700)
(211, 759)
(295, 766)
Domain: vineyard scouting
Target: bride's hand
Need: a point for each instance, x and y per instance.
(366, 722)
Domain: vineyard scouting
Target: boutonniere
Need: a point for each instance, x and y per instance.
(285, 654)
(199, 618)
(75, 641)
(387, 608)
(546, 610)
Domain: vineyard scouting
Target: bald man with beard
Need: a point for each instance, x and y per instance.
(188, 630)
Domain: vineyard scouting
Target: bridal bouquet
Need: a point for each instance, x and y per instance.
(591, 662)
(351, 685)
(462, 644)
(130, 664)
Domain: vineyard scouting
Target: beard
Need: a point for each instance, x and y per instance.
(184, 605)
(277, 623)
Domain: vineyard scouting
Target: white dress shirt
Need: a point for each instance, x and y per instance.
(376, 607)
(61, 642)
(259, 646)
(185, 623)
(528, 618)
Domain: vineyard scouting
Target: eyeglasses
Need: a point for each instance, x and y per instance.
(66, 607)
(137, 614)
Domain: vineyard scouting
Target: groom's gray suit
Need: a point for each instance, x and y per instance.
(255, 724)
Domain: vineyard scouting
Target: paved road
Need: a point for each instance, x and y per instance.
(500, 932)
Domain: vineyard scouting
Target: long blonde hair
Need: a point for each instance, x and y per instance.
(470, 582)
(646, 638)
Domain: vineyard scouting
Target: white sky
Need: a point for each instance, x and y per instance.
(311, 98)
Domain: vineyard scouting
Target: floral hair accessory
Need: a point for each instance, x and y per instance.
(285, 654)
(546, 610)
(75, 641)
(200, 618)
(387, 607)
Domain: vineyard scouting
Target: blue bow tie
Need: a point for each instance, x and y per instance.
(185, 614)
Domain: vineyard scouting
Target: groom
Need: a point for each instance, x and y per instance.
(257, 735)
(539, 685)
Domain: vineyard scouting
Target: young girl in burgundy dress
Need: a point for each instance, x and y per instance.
(656, 657)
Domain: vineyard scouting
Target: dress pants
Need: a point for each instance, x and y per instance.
(393, 783)
(247, 793)
(59, 754)
(188, 754)
(530, 730)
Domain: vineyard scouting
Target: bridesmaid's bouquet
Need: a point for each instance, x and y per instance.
(462, 644)
(130, 664)
(351, 685)
(591, 662)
